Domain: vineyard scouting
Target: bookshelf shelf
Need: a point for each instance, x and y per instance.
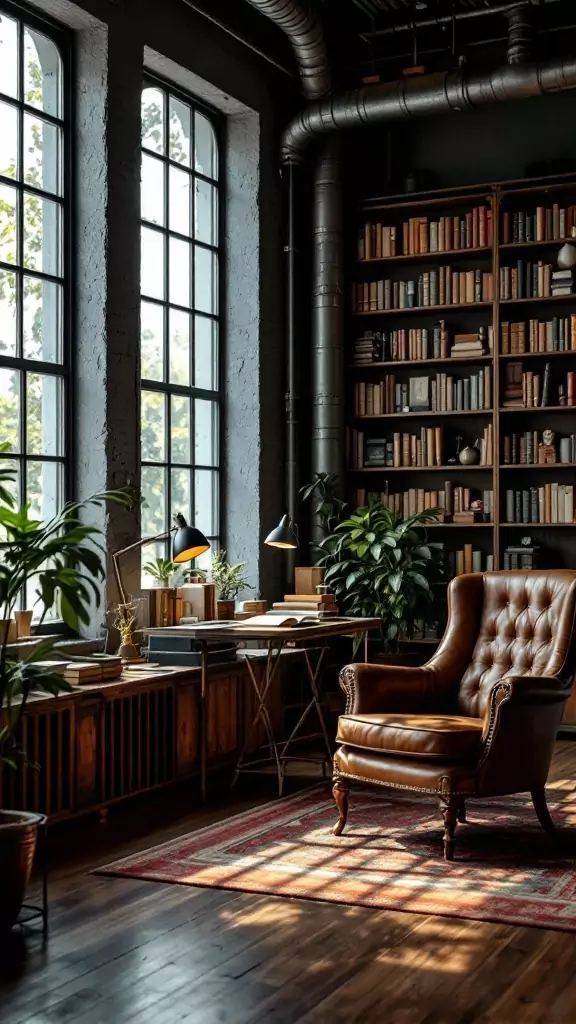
(538, 408)
(421, 210)
(401, 363)
(485, 250)
(455, 467)
(548, 243)
(528, 526)
(518, 356)
(539, 299)
(424, 415)
(537, 465)
(457, 306)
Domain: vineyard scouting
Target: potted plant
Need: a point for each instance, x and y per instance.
(63, 560)
(381, 565)
(229, 581)
(161, 571)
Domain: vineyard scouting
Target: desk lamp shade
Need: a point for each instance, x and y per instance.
(283, 536)
(188, 542)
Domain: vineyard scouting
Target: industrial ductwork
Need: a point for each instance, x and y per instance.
(452, 91)
(304, 31)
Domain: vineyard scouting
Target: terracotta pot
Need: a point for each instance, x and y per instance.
(225, 610)
(18, 835)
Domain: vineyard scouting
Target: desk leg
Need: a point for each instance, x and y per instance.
(272, 663)
(203, 721)
(313, 674)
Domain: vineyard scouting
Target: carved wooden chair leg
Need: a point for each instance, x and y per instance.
(449, 806)
(462, 812)
(542, 812)
(340, 791)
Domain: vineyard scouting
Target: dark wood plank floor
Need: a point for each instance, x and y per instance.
(123, 950)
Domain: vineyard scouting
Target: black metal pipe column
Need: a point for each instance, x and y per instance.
(328, 314)
(292, 358)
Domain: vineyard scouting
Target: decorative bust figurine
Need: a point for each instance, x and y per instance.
(548, 437)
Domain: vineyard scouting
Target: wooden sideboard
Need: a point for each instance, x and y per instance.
(106, 742)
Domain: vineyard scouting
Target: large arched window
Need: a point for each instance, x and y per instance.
(34, 256)
(180, 288)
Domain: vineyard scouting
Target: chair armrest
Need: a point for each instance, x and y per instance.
(520, 725)
(386, 688)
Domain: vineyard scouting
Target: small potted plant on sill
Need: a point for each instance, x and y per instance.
(229, 581)
(162, 597)
(161, 571)
(63, 560)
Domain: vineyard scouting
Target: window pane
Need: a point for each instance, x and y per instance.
(8, 243)
(7, 313)
(180, 185)
(153, 427)
(152, 189)
(205, 353)
(154, 501)
(179, 347)
(8, 56)
(8, 135)
(180, 429)
(180, 480)
(205, 432)
(42, 154)
(152, 341)
(152, 264)
(42, 320)
(42, 233)
(180, 131)
(205, 149)
(180, 279)
(153, 119)
(205, 280)
(42, 73)
(12, 485)
(44, 490)
(206, 212)
(44, 415)
(10, 407)
(206, 502)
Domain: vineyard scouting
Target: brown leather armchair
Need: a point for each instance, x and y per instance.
(480, 718)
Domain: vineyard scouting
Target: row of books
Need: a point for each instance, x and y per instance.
(529, 280)
(440, 287)
(551, 503)
(451, 500)
(525, 389)
(423, 449)
(530, 449)
(556, 335)
(471, 230)
(441, 393)
(420, 343)
(467, 559)
(541, 225)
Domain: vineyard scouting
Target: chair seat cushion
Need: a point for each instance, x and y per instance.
(436, 737)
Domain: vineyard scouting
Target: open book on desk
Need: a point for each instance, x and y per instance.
(275, 620)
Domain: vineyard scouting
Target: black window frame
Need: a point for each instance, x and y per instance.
(168, 388)
(63, 39)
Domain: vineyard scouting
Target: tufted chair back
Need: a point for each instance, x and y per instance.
(526, 628)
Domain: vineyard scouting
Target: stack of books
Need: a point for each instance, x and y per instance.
(368, 348)
(321, 606)
(563, 282)
(110, 665)
(468, 345)
(78, 673)
(521, 557)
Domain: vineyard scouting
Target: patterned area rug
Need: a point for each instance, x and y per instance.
(389, 856)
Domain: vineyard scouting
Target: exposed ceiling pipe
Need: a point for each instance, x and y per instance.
(521, 34)
(239, 38)
(448, 19)
(448, 92)
(304, 30)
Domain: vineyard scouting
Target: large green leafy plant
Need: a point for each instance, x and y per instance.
(328, 506)
(63, 561)
(381, 565)
(228, 579)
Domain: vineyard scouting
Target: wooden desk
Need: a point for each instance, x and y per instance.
(276, 638)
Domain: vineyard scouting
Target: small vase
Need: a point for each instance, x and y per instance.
(225, 610)
(469, 455)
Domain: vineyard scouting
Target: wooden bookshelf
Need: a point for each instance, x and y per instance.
(502, 198)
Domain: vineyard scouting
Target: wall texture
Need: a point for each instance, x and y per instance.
(114, 39)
